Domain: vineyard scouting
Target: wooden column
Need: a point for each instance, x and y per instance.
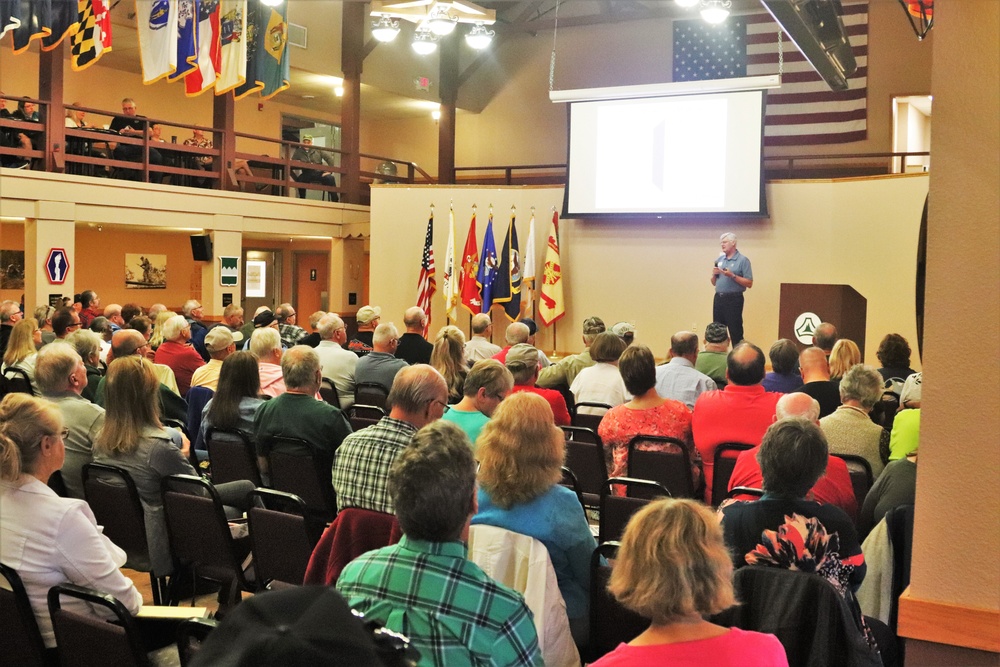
(224, 122)
(50, 89)
(449, 95)
(351, 58)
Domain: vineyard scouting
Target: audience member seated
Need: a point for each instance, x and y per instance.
(849, 430)
(314, 155)
(673, 568)
(486, 386)
(102, 327)
(64, 322)
(367, 318)
(894, 355)
(28, 112)
(135, 127)
(133, 438)
(480, 346)
(678, 379)
(448, 357)
(21, 350)
(88, 346)
(739, 413)
(521, 452)
(10, 138)
(543, 361)
(517, 333)
(784, 529)
(220, 342)
(602, 382)
(784, 377)
(825, 337)
(816, 378)
(177, 352)
(834, 487)
(62, 377)
(625, 331)
(897, 485)
(524, 363)
(265, 344)
(845, 354)
(50, 540)
(909, 397)
(312, 339)
(413, 347)
(291, 333)
(337, 363)
(10, 314)
(425, 586)
(113, 313)
(90, 307)
(647, 413)
(158, 321)
(297, 413)
(235, 402)
(381, 365)
(44, 316)
(192, 312)
(561, 374)
(905, 436)
(713, 358)
(361, 464)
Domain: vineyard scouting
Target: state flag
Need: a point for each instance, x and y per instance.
(156, 21)
(209, 49)
(233, 46)
(267, 51)
(187, 39)
(93, 35)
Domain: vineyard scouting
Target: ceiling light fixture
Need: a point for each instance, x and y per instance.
(440, 22)
(686, 4)
(385, 29)
(715, 11)
(424, 42)
(479, 37)
(436, 114)
(271, 3)
(338, 91)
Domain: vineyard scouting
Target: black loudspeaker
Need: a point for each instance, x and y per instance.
(201, 248)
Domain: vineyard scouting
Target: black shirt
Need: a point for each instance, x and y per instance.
(414, 349)
(827, 392)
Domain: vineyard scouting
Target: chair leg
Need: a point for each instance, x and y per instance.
(154, 584)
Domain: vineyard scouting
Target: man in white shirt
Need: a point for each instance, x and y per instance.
(337, 363)
(479, 346)
(678, 379)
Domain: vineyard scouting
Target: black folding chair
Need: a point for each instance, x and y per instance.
(585, 457)
(668, 465)
(295, 469)
(569, 481)
(281, 537)
(21, 641)
(587, 420)
(191, 634)
(611, 624)
(861, 475)
(725, 461)
(371, 393)
(617, 510)
(17, 382)
(363, 416)
(86, 640)
(232, 455)
(328, 391)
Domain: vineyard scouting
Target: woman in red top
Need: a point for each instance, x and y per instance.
(647, 414)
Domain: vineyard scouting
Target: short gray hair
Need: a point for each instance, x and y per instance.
(415, 386)
(264, 341)
(190, 305)
(284, 311)
(797, 404)
(480, 323)
(414, 317)
(384, 333)
(299, 366)
(328, 326)
(53, 366)
(8, 308)
(728, 236)
(792, 457)
(517, 332)
(85, 342)
(862, 383)
(173, 327)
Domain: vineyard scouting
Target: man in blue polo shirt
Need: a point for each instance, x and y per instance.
(731, 276)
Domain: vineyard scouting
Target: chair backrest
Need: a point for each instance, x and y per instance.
(115, 502)
(328, 391)
(610, 623)
(196, 398)
(617, 510)
(191, 634)
(591, 421)
(20, 642)
(16, 381)
(371, 393)
(294, 469)
(885, 410)
(725, 460)
(354, 532)
(281, 539)
(804, 611)
(664, 460)
(199, 531)
(585, 457)
(57, 484)
(570, 482)
(86, 639)
(745, 491)
(363, 416)
(232, 456)
(861, 475)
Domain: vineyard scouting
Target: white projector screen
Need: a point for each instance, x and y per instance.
(667, 154)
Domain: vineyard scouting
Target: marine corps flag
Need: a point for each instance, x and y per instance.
(93, 36)
(156, 21)
(267, 50)
(468, 288)
(452, 295)
(487, 277)
(551, 305)
(507, 289)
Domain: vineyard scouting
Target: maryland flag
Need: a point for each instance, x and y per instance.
(551, 305)
(468, 288)
(267, 51)
(93, 36)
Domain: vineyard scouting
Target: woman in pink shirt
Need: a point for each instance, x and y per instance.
(673, 568)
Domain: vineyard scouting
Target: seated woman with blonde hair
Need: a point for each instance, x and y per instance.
(448, 357)
(673, 568)
(843, 356)
(22, 350)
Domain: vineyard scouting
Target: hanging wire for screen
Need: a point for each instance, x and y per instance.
(552, 60)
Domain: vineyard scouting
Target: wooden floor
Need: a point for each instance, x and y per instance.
(141, 581)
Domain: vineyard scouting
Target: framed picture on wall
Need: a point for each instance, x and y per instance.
(145, 271)
(11, 269)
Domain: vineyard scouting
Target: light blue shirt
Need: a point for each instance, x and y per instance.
(739, 265)
(680, 381)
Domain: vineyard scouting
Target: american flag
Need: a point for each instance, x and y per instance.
(426, 285)
(804, 110)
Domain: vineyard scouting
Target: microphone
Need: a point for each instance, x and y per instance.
(718, 260)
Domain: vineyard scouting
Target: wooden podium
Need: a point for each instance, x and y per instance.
(841, 305)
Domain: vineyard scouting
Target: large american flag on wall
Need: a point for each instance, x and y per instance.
(803, 110)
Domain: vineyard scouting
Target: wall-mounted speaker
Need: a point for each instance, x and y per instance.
(201, 248)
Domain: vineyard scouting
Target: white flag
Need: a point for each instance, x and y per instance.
(452, 296)
(528, 273)
(156, 21)
(233, 35)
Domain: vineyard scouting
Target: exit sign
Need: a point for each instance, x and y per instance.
(422, 83)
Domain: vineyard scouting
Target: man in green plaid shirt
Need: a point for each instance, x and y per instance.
(425, 587)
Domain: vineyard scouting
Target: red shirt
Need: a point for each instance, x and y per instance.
(735, 414)
(183, 360)
(554, 398)
(87, 316)
(833, 488)
(501, 356)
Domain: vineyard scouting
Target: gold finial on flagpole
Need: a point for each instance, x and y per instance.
(513, 209)
(532, 210)
(475, 207)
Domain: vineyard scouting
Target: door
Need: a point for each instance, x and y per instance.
(309, 291)
(261, 280)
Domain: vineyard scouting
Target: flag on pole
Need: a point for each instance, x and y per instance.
(156, 21)
(528, 272)
(187, 39)
(10, 16)
(93, 37)
(37, 19)
(468, 289)
(452, 296)
(209, 52)
(551, 305)
(507, 289)
(61, 20)
(487, 277)
(426, 285)
(233, 46)
(267, 51)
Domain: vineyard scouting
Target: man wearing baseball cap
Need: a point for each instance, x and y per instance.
(712, 360)
(563, 372)
(368, 318)
(220, 343)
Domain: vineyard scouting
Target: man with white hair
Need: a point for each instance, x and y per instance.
(517, 333)
(479, 345)
(338, 365)
(833, 488)
(265, 344)
(731, 277)
(381, 365)
(413, 347)
(176, 352)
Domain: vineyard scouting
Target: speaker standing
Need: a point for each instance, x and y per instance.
(731, 276)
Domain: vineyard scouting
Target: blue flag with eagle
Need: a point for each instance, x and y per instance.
(487, 276)
(508, 283)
